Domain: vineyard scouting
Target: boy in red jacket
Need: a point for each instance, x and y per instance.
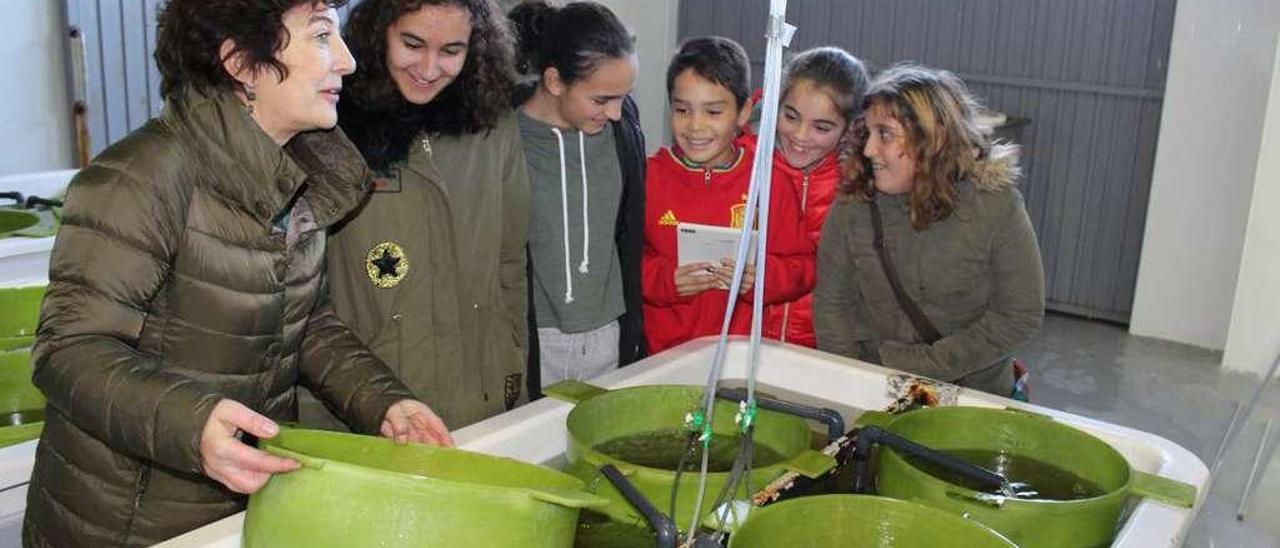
(704, 179)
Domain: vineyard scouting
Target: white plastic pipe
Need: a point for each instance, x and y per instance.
(778, 34)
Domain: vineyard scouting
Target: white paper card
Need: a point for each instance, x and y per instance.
(709, 243)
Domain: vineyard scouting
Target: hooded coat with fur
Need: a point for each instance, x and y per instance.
(976, 274)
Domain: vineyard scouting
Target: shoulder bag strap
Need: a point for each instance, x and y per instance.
(921, 322)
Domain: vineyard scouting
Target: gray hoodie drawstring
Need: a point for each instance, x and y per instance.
(564, 218)
(585, 266)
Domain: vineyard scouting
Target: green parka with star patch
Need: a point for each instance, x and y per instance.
(430, 272)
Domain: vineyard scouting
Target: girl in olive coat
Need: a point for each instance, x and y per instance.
(955, 230)
(430, 271)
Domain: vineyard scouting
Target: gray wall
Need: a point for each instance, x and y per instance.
(35, 119)
(1209, 155)
(1253, 341)
(1088, 74)
(121, 82)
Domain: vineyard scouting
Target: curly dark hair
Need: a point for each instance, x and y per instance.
(191, 32)
(381, 122)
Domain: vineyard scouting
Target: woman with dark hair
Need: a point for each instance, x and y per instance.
(929, 264)
(186, 296)
(430, 271)
(585, 155)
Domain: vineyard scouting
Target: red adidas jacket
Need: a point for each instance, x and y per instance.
(677, 193)
(816, 188)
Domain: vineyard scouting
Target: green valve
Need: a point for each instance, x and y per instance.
(746, 415)
(695, 421)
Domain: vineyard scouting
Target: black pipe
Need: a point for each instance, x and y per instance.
(33, 201)
(862, 461)
(870, 435)
(707, 541)
(12, 195)
(833, 420)
(664, 529)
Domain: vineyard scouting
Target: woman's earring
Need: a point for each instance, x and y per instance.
(251, 96)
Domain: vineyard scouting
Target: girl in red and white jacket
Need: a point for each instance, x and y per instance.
(822, 92)
(704, 178)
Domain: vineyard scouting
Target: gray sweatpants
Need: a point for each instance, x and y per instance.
(578, 356)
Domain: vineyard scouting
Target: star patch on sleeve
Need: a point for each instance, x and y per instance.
(386, 265)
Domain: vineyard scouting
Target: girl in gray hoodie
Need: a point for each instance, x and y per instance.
(585, 158)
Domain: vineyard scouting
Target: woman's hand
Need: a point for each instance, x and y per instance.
(231, 462)
(694, 278)
(412, 420)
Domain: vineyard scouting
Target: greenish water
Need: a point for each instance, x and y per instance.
(26, 416)
(662, 449)
(598, 531)
(1028, 478)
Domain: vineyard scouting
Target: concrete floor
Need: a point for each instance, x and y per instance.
(1176, 391)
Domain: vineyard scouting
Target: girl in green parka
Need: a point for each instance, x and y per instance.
(955, 232)
(430, 271)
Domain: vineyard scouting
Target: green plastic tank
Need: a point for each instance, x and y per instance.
(14, 220)
(1091, 521)
(21, 306)
(21, 404)
(859, 521)
(357, 490)
(602, 416)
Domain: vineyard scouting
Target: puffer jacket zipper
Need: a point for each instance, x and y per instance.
(144, 478)
(804, 203)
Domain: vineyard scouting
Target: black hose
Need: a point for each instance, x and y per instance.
(741, 467)
(664, 529)
(34, 201)
(689, 450)
(870, 435)
(831, 418)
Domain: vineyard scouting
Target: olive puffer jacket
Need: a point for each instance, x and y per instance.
(976, 275)
(188, 269)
